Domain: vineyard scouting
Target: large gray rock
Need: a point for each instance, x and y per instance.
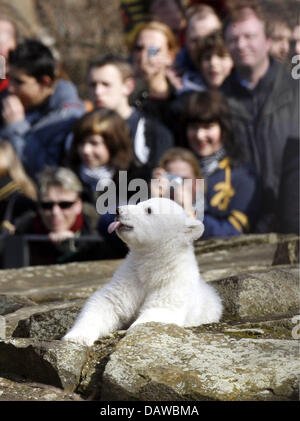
(164, 362)
(44, 321)
(257, 294)
(91, 376)
(220, 258)
(54, 363)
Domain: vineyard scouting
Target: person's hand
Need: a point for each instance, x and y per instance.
(57, 237)
(174, 78)
(159, 183)
(183, 195)
(12, 110)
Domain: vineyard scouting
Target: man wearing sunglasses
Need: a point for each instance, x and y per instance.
(61, 216)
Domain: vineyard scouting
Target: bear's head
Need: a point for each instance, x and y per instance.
(155, 222)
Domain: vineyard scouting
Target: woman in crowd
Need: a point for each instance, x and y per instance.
(231, 188)
(101, 148)
(153, 54)
(17, 191)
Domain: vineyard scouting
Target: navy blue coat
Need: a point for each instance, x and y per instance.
(232, 200)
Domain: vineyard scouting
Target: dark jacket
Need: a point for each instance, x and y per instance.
(232, 200)
(264, 132)
(39, 140)
(161, 109)
(157, 138)
(288, 209)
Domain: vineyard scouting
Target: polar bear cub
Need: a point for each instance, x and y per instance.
(158, 281)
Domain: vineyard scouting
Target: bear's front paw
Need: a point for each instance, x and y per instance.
(78, 338)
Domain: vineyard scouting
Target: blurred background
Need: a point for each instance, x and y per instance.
(75, 29)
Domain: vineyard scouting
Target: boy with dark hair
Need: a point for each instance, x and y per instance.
(39, 111)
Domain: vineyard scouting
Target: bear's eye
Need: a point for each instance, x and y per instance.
(148, 211)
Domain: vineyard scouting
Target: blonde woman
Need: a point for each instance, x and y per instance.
(153, 55)
(154, 52)
(17, 191)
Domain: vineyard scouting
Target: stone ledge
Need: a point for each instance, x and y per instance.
(54, 363)
(20, 391)
(199, 367)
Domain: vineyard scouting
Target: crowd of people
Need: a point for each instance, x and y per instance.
(204, 93)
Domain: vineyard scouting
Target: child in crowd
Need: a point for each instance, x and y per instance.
(176, 167)
(101, 147)
(231, 190)
(213, 60)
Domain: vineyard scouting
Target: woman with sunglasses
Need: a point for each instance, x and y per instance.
(61, 216)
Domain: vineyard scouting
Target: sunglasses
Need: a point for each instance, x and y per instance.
(62, 205)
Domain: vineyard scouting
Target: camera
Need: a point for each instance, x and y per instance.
(175, 180)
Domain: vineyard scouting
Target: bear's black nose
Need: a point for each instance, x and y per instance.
(117, 212)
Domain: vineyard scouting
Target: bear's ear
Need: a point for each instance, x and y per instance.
(194, 228)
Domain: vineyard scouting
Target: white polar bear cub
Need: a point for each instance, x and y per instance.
(158, 281)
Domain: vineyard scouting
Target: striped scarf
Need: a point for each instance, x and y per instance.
(209, 164)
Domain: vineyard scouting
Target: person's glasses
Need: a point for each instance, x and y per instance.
(50, 205)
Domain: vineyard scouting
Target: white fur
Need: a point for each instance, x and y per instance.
(158, 281)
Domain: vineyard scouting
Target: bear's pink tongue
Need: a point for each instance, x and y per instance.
(113, 226)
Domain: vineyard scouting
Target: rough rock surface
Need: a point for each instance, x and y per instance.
(252, 354)
(205, 366)
(20, 391)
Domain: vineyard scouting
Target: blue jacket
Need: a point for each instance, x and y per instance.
(39, 139)
(232, 200)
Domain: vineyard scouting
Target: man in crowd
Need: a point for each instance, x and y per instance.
(264, 103)
(61, 216)
(40, 110)
(202, 21)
